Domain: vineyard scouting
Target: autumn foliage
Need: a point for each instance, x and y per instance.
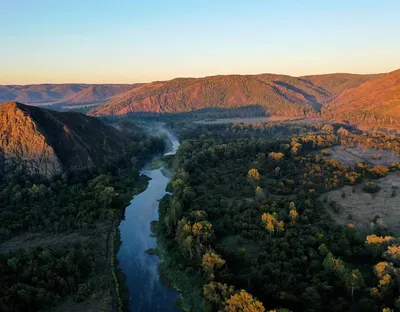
(243, 301)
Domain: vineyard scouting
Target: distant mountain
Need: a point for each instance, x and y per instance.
(55, 94)
(279, 94)
(369, 99)
(46, 142)
(97, 93)
(373, 102)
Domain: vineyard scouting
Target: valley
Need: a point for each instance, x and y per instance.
(200, 156)
(263, 201)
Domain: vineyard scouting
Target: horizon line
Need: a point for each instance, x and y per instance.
(193, 77)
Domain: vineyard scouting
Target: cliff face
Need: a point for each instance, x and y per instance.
(41, 141)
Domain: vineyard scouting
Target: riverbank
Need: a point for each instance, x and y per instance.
(171, 271)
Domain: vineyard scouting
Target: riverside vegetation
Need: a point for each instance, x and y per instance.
(53, 238)
(247, 227)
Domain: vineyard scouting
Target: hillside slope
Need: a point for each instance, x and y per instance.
(49, 94)
(373, 102)
(334, 84)
(46, 142)
(279, 94)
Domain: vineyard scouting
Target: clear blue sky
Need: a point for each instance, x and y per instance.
(140, 41)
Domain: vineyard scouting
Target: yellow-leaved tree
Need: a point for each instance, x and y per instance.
(253, 176)
(293, 214)
(272, 224)
(211, 262)
(243, 301)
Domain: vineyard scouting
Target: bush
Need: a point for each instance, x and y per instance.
(371, 187)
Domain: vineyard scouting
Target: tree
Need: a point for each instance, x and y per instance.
(296, 147)
(385, 282)
(379, 171)
(243, 301)
(293, 214)
(202, 231)
(253, 176)
(211, 261)
(354, 280)
(393, 253)
(187, 245)
(377, 243)
(217, 294)
(183, 230)
(272, 224)
(259, 193)
(329, 262)
(276, 156)
(381, 268)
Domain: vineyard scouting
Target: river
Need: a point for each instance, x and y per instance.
(147, 292)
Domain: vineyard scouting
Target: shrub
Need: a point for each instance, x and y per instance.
(371, 187)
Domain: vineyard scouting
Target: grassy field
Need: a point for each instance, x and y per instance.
(351, 156)
(360, 208)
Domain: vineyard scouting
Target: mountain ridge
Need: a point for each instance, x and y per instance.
(52, 94)
(279, 94)
(369, 98)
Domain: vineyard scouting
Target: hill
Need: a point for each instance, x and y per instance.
(334, 84)
(46, 142)
(52, 94)
(373, 102)
(279, 94)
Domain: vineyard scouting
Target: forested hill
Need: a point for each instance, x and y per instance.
(376, 101)
(279, 94)
(42, 141)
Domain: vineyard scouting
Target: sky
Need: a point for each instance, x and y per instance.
(103, 41)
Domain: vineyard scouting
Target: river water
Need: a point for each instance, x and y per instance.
(147, 292)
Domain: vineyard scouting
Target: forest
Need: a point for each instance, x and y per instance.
(247, 227)
(82, 204)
